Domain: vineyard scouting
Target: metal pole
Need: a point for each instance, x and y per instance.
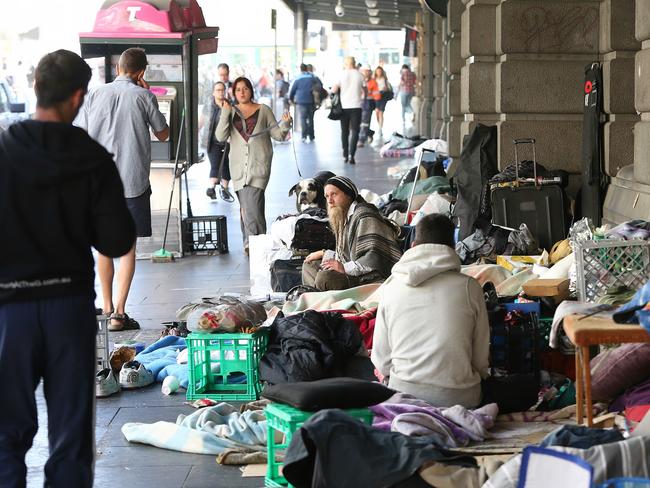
(275, 58)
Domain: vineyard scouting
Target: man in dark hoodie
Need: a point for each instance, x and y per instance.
(60, 194)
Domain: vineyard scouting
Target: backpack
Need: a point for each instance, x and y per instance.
(318, 92)
(284, 89)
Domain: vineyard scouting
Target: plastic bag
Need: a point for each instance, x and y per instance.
(222, 314)
(435, 203)
(264, 250)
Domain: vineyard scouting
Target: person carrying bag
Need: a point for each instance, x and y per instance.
(336, 112)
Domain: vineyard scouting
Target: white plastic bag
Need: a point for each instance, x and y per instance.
(264, 250)
(435, 203)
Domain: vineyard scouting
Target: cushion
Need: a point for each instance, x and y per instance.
(329, 393)
(615, 370)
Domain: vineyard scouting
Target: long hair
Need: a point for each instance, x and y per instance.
(382, 73)
(245, 81)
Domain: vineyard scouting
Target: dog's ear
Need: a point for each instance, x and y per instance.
(294, 189)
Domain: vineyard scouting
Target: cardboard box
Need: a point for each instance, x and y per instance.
(540, 287)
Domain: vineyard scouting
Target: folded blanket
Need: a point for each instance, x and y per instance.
(210, 430)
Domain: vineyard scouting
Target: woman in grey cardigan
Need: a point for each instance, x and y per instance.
(250, 127)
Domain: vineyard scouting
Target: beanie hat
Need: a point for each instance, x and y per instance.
(344, 184)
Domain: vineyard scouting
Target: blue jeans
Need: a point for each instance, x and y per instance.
(306, 117)
(405, 101)
(365, 131)
(52, 339)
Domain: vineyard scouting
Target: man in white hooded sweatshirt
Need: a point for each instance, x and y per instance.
(432, 337)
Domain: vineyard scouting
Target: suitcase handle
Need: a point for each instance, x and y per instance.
(528, 140)
(517, 142)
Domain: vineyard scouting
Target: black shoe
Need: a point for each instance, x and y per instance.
(226, 195)
(352, 161)
(211, 193)
(345, 159)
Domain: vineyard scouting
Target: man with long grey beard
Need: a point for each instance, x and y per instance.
(366, 242)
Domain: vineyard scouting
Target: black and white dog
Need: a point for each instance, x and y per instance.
(310, 192)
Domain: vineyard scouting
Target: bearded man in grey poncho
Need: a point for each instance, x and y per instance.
(366, 243)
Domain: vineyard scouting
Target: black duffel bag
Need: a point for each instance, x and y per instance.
(286, 274)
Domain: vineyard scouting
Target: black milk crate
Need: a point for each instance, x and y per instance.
(205, 235)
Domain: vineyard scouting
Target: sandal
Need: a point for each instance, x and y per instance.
(124, 322)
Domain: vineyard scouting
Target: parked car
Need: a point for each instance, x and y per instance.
(10, 110)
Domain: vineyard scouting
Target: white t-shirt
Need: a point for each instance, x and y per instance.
(351, 84)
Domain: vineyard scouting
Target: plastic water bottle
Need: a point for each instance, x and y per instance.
(170, 385)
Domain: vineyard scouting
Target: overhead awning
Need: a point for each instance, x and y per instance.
(393, 14)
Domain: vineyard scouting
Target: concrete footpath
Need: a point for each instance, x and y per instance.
(160, 289)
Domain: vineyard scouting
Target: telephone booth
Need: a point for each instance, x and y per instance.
(174, 35)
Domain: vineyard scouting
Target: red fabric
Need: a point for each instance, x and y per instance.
(373, 90)
(365, 321)
(251, 122)
(637, 412)
(408, 81)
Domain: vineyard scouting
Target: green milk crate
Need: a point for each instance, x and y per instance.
(214, 358)
(287, 420)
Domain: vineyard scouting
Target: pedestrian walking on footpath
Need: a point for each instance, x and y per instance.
(118, 116)
(60, 195)
(406, 91)
(218, 151)
(250, 126)
(350, 86)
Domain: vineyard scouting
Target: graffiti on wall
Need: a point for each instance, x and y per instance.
(560, 30)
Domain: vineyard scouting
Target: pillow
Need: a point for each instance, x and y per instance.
(615, 370)
(328, 393)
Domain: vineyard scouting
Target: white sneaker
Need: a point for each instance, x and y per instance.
(105, 383)
(134, 375)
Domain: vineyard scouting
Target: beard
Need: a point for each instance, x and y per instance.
(337, 219)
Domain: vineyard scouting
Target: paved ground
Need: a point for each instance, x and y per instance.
(159, 289)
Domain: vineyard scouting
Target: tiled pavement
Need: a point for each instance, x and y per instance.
(159, 289)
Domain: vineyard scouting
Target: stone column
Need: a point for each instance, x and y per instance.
(438, 115)
(453, 64)
(478, 75)
(427, 57)
(543, 47)
(642, 94)
(300, 27)
(618, 47)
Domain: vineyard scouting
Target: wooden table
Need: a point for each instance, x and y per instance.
(588, 332)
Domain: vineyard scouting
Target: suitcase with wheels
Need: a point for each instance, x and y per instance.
(540, 206)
